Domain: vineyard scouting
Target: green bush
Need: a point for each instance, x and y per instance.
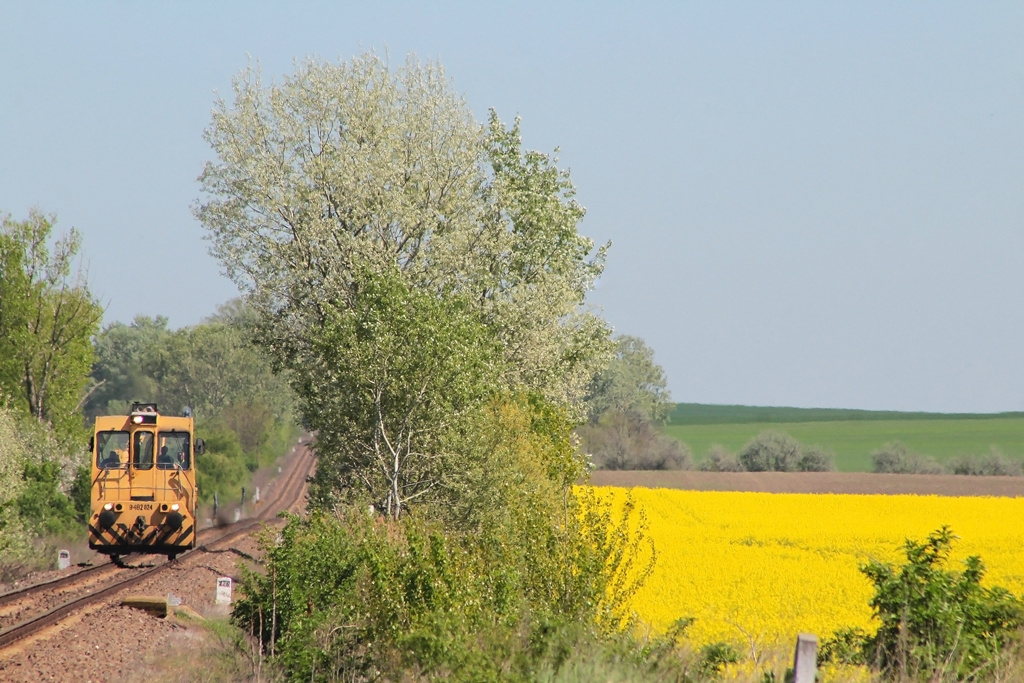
(359, 597)
(935, 623)
(227, 466)
(995, 464)
(720, 460)
(816, 459)
(770, 452)
(626, 440)
(895, 458)
(714, 657)
(41, 503)
(223, 468)
(81, 492)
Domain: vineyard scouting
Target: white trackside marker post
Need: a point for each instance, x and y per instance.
(805, 659)
(223, 590)
(64, 559)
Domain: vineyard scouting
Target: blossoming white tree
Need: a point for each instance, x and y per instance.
(351, 175)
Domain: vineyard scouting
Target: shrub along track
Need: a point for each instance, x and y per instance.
(49, 603)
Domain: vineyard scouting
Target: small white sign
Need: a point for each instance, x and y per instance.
(256, 495)
(64, 559)
(223, 591)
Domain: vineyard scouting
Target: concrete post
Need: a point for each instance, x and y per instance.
(805, 659)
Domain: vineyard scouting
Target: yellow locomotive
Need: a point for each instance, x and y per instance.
(143, 483)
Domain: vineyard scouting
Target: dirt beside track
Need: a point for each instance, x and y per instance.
(816, 482)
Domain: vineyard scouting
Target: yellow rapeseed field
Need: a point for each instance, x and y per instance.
(755, 569)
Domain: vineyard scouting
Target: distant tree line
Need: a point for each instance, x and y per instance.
(629, 399)
(243, 410)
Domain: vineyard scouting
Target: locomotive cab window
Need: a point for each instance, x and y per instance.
(112, 450)
(174, 451)
(143, 451)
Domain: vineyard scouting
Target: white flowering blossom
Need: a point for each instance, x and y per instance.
(351, 162)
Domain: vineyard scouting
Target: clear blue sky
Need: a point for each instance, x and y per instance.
(814, 204)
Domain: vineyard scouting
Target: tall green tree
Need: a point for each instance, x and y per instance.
(124, 366)
(47, 320)
(632, 382)
(405, 368)
(211, 367)
(350, 164)
(352, 202)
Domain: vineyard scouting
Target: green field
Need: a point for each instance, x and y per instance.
(851, 434)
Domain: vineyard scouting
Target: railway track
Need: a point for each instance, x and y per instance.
(47, 604)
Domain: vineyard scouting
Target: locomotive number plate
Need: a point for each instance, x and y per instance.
(140, 506)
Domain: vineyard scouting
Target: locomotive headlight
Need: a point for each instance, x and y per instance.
(137, 419)
(108, 506)
(175, 507)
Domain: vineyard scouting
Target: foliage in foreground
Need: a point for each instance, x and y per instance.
(504, 586)
(43, 484)
(935, 623)
(14, 537)
(359, 597)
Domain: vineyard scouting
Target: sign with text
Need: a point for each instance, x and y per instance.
(64, 559)
(223, 591)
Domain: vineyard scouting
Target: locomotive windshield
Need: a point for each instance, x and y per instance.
(143, 451)
(174, 451)
(112, 450)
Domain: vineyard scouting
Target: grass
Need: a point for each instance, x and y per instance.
(216, 651)
(851, 434)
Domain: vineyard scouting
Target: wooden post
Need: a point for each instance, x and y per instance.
(805, 659)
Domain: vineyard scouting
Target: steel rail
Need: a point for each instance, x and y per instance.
(76, 577)
(292, 487)
(53, 584)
